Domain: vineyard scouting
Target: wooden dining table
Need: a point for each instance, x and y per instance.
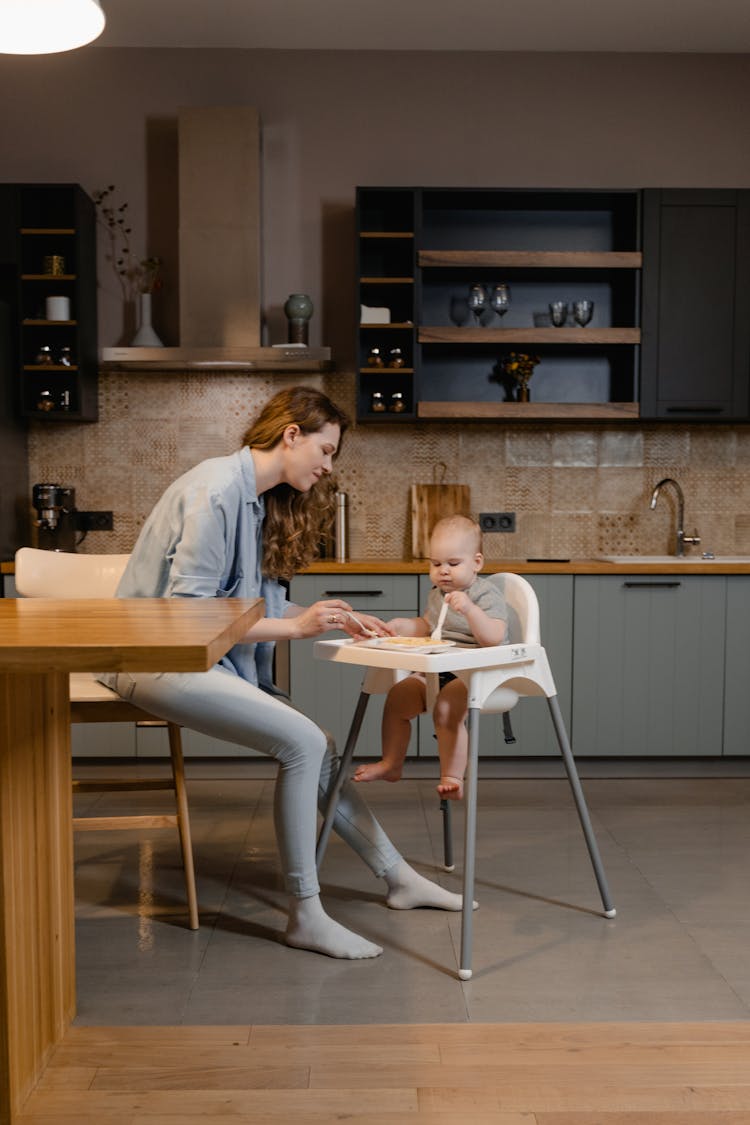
(43, 640)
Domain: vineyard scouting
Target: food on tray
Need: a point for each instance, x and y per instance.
(413, 642)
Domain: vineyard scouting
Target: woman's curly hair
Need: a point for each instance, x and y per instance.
(295, 521)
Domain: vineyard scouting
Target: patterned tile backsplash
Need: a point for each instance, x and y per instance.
(577, 491)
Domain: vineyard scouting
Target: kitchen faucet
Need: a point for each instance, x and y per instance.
(682, 538)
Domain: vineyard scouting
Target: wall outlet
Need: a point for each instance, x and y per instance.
(497, 521)
(94, 521)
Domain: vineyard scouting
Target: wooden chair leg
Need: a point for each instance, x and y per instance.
(183, 821)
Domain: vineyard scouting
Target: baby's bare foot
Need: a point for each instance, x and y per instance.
(377, 771)
(450, 788)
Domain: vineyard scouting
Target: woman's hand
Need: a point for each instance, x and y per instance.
(323, 616)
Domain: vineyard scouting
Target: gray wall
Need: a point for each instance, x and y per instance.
(332, 120)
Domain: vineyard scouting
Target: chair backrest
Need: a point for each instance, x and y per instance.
(523, 616)
(55, 574)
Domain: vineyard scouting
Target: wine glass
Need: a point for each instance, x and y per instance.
(500, 299)
(477, 302)
(583, 312)
(558, 313)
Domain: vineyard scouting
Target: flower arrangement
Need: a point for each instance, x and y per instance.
(136, 275)
(520, 366)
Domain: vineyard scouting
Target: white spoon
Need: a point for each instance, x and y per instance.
(360, 624)
(437, 632)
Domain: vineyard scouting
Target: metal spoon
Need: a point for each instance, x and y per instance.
(437, 632)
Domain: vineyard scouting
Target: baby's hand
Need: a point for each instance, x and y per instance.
(459, 601)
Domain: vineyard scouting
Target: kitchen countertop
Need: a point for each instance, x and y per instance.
(537, 566)
(519, 566)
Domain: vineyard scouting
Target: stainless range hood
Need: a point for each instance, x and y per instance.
(219, 247)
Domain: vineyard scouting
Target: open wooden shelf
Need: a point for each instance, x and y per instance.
(386, 370)
(50, 367)
(48, 230)
(386, 280)
(491, 411)
(533, 259)
(386, 234)
(448, 335)
(29, 323)
(54, 277)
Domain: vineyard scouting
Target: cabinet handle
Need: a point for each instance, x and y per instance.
(695, 410)
(651, 585)
(353, 593)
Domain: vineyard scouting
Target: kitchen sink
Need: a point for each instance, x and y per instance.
(686, 560)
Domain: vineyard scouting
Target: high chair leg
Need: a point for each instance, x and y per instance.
(346, 759)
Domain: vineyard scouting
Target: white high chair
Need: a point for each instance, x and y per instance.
(496, 679)
(53, 574)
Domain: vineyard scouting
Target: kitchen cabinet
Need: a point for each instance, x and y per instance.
(695, 360)
(737, 664)
(419, 250)
(648, 665)
(328, 692)
(48, 244)
(530, 719)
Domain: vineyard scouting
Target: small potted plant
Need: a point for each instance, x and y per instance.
(519, 366)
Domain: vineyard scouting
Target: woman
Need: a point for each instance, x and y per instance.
(232, 527)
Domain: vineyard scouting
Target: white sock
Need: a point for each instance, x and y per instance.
(310, 927)
(408, 889)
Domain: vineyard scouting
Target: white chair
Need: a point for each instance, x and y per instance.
(53, 574)
(517, 669)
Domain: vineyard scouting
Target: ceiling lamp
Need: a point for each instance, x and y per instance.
(41, 27)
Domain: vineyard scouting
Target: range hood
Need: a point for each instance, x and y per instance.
(219, 250)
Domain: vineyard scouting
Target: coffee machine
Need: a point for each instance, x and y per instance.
(56, 517)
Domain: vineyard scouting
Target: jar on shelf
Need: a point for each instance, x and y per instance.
(377, 402)
(375, 359)
(397, 404)
(65, 400)
(46, 402)
(65, 357)
(395, 358)
(43, 357)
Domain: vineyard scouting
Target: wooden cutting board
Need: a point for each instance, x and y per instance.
(430, 503)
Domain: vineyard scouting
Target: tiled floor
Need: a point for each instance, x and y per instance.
(676, 851)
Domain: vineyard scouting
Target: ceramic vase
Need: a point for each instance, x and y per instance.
(145, 337)
(298, 309)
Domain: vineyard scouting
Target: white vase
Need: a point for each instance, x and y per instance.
(145, 337)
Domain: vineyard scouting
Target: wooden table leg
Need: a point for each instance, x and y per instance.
(37, 940)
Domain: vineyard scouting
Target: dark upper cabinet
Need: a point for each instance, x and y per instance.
(695, 353)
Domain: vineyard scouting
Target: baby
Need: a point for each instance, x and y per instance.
(477, 615)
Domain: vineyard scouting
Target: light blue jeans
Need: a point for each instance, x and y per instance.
(221, 704)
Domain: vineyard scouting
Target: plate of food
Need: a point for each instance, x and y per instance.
(407, 644)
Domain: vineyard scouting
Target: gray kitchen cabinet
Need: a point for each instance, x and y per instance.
(696, 250)
(530, 719)
(648, 665)
(328, 692)
(736, 693)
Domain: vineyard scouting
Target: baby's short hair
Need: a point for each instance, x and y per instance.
(461, 525)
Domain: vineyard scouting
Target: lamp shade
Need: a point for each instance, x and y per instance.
(41, 27)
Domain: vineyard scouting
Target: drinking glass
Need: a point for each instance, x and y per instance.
(477, 302)
(583, 312)
(500, 299)
(558, 313)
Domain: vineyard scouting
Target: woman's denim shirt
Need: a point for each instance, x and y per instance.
(204, 539)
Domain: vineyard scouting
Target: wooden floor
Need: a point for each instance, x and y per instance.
(504, 1074)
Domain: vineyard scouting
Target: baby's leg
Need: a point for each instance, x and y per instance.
(404, 702)
(449, 716)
